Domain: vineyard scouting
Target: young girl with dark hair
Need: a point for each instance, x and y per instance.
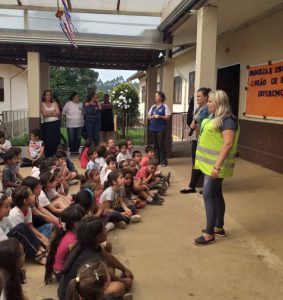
(49, 184)
(63, 241)
(23, 198)
(32, 245)
(86, 199)
(40, 215)
(111, 204)
(90, 234)
(12, 259)
(127, 191)
(90, 283)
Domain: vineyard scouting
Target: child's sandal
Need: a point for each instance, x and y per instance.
(41, 256)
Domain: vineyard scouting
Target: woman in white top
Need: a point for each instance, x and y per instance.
(51, 123)
(73, 110)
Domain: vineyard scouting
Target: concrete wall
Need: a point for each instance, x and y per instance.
(15, 90)
(184, 64)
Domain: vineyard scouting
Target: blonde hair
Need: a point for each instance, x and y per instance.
(223, 109)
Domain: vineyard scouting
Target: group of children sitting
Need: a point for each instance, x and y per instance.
(68, 233)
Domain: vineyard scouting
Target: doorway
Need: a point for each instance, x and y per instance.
(228, 80)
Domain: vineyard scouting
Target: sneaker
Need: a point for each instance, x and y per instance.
(135, 218)
(109, 226)
(154, 202)
(158, 198)
(73, 182)
(221, 233)
(201, 241)
(121, 225)
(128, 296)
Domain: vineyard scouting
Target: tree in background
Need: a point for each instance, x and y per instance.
(64, 81)
(125, 100)
(108, 85)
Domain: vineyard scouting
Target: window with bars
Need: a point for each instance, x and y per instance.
(177, 97)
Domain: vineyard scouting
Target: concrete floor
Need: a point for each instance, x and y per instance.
(247, 264)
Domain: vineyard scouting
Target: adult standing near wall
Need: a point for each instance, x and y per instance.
(200, 114)
(158, 115)
(51, 123)
(93, 118)
(107, 119)
(215, 157)
(73, 110)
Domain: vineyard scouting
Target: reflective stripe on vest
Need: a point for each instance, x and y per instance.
(209, 147)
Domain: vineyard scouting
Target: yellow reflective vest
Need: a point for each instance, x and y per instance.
(208, 149)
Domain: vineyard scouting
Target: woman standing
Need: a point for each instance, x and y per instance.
(107, 119)
(51, 123)
(92, 118)
(215, 157)
(73, 110)
(158, 115)
(200, 114)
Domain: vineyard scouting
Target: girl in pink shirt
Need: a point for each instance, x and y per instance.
(63, 241)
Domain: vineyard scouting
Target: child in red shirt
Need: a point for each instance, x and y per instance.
(84, 159)
(149, 153)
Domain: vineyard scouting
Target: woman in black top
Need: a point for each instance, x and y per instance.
(107, 119)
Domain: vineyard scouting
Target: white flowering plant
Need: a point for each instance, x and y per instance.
(124, 98)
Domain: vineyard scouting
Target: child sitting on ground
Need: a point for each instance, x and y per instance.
(63, 241)
(149, 154)
(84, 159)
(123, 155)
(112, 147)
(10, 170)
(109, 200)
(5, 145)
(137, 157)
(23, 198)
(111, 165)
(101, 152)
(90, 234)
(35, 149)
(93, 278)
(92, 164)
(18, 152)
(69, 171)
(56, 203)
(130, 147)
(129, 191)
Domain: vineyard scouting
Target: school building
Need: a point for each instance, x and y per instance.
(177, 46)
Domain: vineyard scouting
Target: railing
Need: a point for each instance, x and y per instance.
(128, 125)
(14, 123)
(180, 129)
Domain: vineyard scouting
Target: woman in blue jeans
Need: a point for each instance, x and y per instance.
(215, 157)
(92, 118)
(73, 110)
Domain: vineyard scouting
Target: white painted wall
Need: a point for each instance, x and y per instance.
(254, 44)
(15, 90)
(184, 64)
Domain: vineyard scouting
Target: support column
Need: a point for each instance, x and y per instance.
(44, 77)
(151, 83)
(206, 47)
(33, 59)
(168, 90)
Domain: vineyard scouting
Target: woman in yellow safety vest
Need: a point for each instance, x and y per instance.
(215, 157)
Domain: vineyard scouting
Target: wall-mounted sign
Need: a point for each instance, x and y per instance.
(265, 91)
